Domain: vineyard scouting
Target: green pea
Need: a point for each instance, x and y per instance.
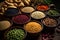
(15, 34)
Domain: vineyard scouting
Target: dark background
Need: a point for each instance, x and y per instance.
(1, 0)
(57, 3)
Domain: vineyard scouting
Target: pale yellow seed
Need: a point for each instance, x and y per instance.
(17, 0)
(12, 7)
(11, 4)
(3, 9)
(21, 4)
(10, 0)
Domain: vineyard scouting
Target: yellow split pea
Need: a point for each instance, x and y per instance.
(33, 27)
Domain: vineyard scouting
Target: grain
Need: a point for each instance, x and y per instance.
(33, 27)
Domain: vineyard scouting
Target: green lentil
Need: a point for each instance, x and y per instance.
(15, 34)
(53, 13)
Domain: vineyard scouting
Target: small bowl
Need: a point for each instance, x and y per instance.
(11, 12)
(50, 26)
(29, 18)
(35, 34)
(53, 15)
(57, 30)
(52, 6)
(31, 9)
(11, 23)
(14, 27)
(42, 8)
(36, 18)
(59, 20)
